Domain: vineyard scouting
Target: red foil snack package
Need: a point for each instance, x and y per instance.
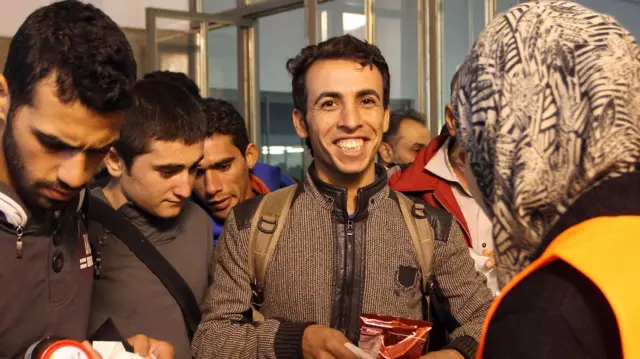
(387, 337)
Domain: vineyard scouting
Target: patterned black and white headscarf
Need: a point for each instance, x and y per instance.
(548, 106)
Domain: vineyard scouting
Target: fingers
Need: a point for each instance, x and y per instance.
(89, 347)
(141, 345)
(161, 350)
(491, 262)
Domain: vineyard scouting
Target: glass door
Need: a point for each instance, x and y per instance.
(183, 42)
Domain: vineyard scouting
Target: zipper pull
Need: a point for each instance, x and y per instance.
(19, 233)
(350, 228)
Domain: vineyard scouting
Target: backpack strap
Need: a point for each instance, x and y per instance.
(266, 227)
(415, 216)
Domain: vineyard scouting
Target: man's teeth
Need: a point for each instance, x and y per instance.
(350, 144)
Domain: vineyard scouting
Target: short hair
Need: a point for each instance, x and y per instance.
(396, 119)
(88, 53)
(224, 119)
(161, 111)
(345, 47)
(177, 78)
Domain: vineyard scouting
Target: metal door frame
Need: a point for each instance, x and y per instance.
(202, 22)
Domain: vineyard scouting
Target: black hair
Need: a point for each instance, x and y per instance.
(224, 119)
(161, 111)
(345, 47)
(88, 53)
(396, 119)
(177, 78)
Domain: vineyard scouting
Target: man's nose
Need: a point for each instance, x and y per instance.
(184, 185)
(73, 171)
(212, 181)
(350, 118)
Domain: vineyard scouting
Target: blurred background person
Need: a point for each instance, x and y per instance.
(437, 176)
(407, 135)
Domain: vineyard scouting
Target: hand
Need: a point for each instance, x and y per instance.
(89, 347)
(444, 354)
(491, 262)
(151, 348)
(320, 342)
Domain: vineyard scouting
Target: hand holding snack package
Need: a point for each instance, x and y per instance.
(388, 337)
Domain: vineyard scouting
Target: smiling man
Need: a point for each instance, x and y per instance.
(152, 167)
(343, 246)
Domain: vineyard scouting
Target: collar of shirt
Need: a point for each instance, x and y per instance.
(440, 166)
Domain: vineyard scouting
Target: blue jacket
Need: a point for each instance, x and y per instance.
(271, 176)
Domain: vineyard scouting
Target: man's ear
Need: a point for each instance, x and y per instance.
(387, 115)
(386, 153)
(114, 163)
(251, 155)
(450, 120)
(300, 124)
(4, 98)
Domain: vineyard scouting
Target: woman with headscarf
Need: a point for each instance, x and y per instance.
(548, 110)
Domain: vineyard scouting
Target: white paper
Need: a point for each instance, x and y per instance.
(113, 350)
(357, 351)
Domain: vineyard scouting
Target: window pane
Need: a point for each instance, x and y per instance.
(213, 6)
(504, 5)
(223, 64)
(626, 12)
(396, 34)
(341, 17)
(280, 145)
(463, 21)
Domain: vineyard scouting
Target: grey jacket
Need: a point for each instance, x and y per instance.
(329, 268)
(47, 291)
(130, 294)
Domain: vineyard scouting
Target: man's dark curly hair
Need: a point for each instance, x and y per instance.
(177, 78)
(161, 111)
(345, 47)
(224, 119)
(88, 53)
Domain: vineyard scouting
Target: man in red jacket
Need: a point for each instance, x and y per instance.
(436, 176)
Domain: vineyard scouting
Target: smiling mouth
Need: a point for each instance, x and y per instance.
(350, 145)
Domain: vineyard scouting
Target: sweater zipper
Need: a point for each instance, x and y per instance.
(349, 248)
(19, 234)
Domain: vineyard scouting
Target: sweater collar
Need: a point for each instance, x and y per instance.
(155, 229)
(335, 197)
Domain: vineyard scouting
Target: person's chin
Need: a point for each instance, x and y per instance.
(352, 165)
(170, 211)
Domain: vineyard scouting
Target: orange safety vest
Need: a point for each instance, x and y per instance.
(605, 250)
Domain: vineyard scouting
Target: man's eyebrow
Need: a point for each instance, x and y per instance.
(366, 92)
(56, 141)
(331, 94)
(169, 167)
(222, 162)
(53, 140)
